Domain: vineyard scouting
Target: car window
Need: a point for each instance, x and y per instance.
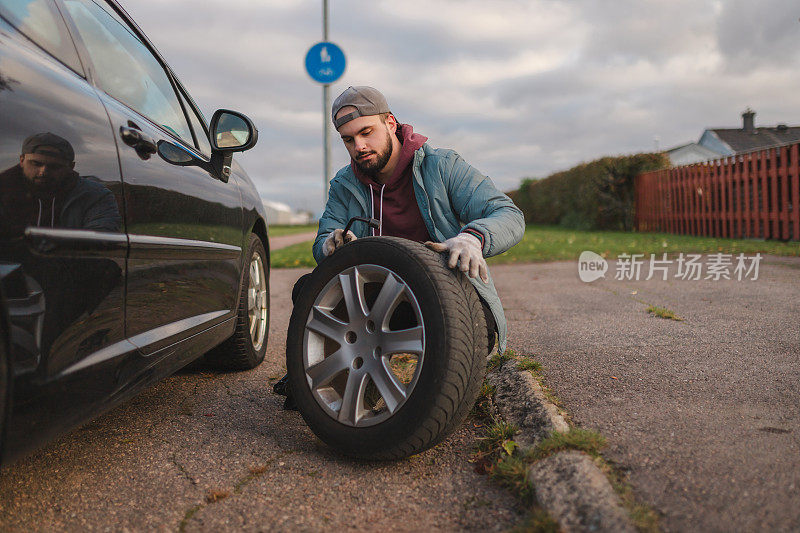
(197, 125)
(125, 67)
(40, 21)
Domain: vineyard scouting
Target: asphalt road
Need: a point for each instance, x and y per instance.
(703, 414)
(215, 452)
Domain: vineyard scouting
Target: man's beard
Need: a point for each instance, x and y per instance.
(373, 168)
(49, 186)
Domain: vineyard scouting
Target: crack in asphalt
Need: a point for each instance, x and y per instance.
(253, 474)
(182, 470)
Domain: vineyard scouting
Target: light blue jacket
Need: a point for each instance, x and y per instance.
(452, 196)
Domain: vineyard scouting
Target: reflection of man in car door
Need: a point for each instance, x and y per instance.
(44, 190)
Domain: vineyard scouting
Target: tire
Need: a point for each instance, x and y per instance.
(341, 360)
(246, 348)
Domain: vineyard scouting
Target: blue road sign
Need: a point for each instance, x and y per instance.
(325, 62)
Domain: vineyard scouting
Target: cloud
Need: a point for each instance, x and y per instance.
(752, 35)
(518, 88)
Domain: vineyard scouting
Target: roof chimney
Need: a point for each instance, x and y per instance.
(748, 120)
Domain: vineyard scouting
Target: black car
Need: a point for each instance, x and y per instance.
(131, 243)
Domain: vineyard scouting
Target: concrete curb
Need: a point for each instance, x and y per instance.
(521, 401)
(568, 484)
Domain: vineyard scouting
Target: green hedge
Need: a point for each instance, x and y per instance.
(595, 195)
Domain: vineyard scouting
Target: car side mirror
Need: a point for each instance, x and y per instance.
(232, 131)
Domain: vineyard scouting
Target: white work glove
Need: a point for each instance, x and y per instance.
(465, 251)
(335, 240)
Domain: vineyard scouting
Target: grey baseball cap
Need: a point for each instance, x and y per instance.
(50, 144)
(366, 100)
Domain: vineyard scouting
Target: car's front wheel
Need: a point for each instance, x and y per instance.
(246, 348)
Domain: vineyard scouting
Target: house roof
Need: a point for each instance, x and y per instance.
(689, 153)
(742, 141)
(692, 146)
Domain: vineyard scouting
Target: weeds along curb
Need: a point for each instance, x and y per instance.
(521, 401)
(568, 484)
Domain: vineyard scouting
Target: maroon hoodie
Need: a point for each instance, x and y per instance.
(394, 203)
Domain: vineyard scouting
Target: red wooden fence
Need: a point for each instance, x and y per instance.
(756, 194)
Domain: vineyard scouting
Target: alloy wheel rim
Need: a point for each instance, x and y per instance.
(257, 302)
(363, 345)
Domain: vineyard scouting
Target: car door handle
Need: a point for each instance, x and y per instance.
(135, 138)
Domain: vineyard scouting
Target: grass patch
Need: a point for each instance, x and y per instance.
(512, 473)
(584, 440)
(487, 391)
(281, 230)
(294, 256)
(498, 438)
(552, 243)
(663, 312)
(530, 365)
(497, 360)
(494, 446)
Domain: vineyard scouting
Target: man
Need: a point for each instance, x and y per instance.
(417, 192)
(44, 190)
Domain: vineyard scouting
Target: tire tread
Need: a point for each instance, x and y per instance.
(237, 353)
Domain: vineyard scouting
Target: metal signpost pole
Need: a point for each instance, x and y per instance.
(325, 63)
(326, 112)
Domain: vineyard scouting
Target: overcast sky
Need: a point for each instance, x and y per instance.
(517, 88)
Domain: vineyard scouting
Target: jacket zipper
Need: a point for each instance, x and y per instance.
(418, 155)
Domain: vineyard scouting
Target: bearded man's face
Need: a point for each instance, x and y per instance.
(368, 141)
(371, 162)
(45, 172)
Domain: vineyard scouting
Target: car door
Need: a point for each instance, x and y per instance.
(184, 225)
(62, 240)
